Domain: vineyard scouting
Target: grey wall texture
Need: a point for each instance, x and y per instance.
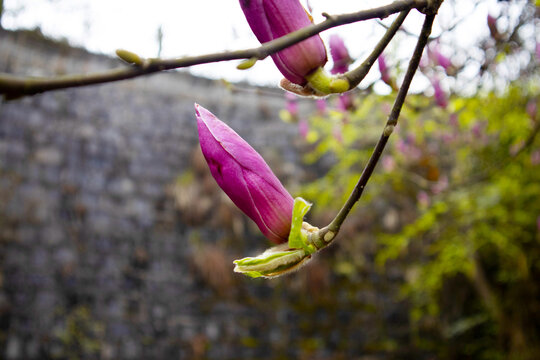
(117, 244)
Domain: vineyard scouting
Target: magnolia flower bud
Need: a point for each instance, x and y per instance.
(291, 104)
(440, 59)
(492, 25)
(271, 19)
(385, 72)
(345, 102)
(440, 96)
(245, 177)
(340, 55)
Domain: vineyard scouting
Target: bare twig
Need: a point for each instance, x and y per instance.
(358, 74)
(329, 232)
(14, 86)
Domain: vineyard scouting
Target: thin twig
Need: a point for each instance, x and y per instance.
(329, 232)
(14, 86)
(358, 74)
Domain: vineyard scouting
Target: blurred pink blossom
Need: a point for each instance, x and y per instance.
(303, 128)
(440, 185)
(383, 69)
(423, 198)
(291, 104)
(478, 129)
(440, 96)
(453, 120)
(321, 106)
(515, 148)
(388, 163)
(438, 58)
(424, 62)
(386, 108)
(532, 109)
(408, 147)
(337, 131)
(345, 102)
(340, 55)
(448, 138)
(535, 157)
(492, 25)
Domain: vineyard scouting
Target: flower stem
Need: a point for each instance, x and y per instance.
(335, 225)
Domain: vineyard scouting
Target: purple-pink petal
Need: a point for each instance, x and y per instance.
(245, 177)
(271, 19)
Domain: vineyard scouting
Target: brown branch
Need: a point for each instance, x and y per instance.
(329, 232)
(15, 86)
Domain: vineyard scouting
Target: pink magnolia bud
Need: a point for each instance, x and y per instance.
(340, 55)
(272, 19)
(345, 102)
(303, 128)
(385, 72)
(321, 106)
(492, 25)
(440, 96)
(245, 177)
(292, 104)
(440, 59)
(383, 68)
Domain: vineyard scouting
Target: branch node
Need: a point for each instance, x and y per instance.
(388, 130)
(329, 236)
(327, 16)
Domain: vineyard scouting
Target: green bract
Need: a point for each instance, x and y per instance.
(283, 258)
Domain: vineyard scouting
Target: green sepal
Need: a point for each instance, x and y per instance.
(284, 258)
(297, 238)
(276, 261)
(325, 84)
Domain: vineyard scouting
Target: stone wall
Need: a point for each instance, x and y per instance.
(116, 243)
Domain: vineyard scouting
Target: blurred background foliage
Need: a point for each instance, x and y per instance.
(455, 200)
